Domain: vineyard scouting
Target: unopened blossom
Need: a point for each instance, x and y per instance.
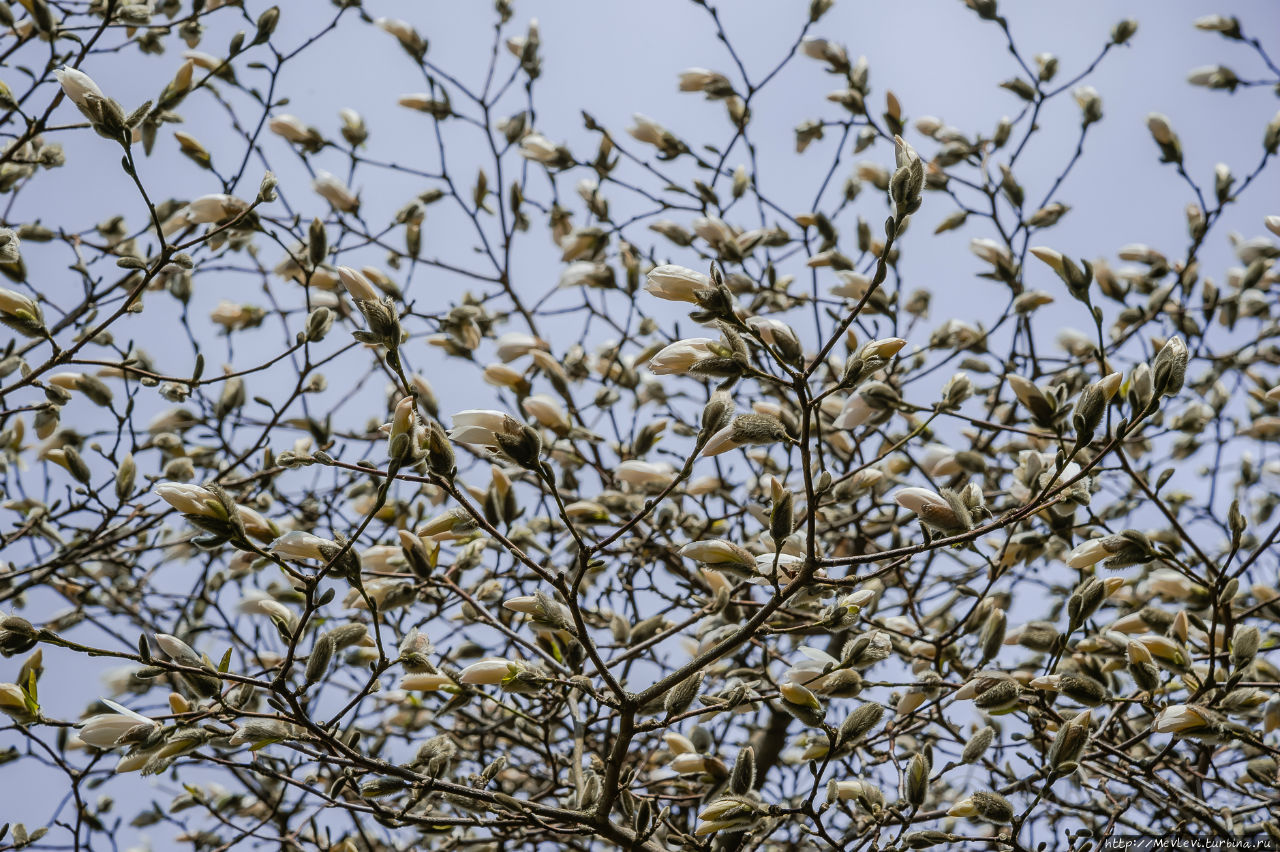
(1158, 124)
(991, 251)
(682, 356)
(297, 544)
(333, 190)
(502, 376)
(688, 764)
(642, 473)
(208, 209)
(1182, 718)
(746, 430)
(547, 411)
(358, 284)
(488, 672)
(930, 506)
(191, 499)
(78, 86)
(513, 344)
(425, 682)
(675, 283)
(233, 316)
(480, 426)
(291, 128)
(717, 552)
(540, 149)
(647, 130)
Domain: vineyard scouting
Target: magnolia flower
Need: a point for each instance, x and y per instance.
(257, 602)
(480, 426)
(688, 764)
(699, 79)
(675, 283)
(641, 473)
(78, 86)
(13, 703)
(291, 128)
(191, 499)
(396, 27)
(514, 344)
(16, 304)
(678, 743)
(1181, 718)
(178, 651)
(930, 506)
(232, 315)
(681, 357)
(717, 552)
(1158, 124)
(297, 544)
(991, 251)
(107, 730)
(357, 284)
(425, 682)
(208, 209)
(335, 192)
(855, 412)
(647, 130)
(502, 376)
(540, 149)
(547, 411)
(746, 430)
(1088, 553)
(489, 672)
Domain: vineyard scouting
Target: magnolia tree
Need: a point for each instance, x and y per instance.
(740, 543)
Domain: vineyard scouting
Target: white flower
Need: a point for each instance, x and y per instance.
(1087, 553)
(180, 652)
(208, 209)
(480, 426)
(78, 86)
(636, 472)
(856, 411)
(424, 682)
(675, 283)
(297, 544)
(335, 192)
(1216, 23)
(514, 344)
(540, 149)
(291, 128)
(688, 764)
(697, 79)
(105, 730)
(1177, 718)
(16, 304)
(991, 251)
(1158, 124)
(357, 284)
(681, 356)
(190, 499)
(647, 130)
(257, 602)
(922, 501)
(885, 347)
(488, 672)
(547, 410)
(717, 552)
(402, 30)
(939, 460)
(852, 285)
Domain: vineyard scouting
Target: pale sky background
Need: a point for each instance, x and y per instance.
(614, 59)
